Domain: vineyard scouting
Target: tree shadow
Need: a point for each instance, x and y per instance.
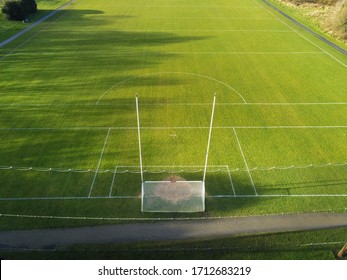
(86, 52)
(308, 184)
(331, 186)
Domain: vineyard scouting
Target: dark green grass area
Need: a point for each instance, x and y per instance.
(309, 245)
(19, 184)
(47, 148)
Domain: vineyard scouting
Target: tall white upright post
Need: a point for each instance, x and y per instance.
(209, 138)
(139, 136)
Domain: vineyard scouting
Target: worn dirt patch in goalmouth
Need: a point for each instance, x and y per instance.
(175, 189)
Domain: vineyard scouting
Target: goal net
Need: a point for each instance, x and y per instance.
(173, 196)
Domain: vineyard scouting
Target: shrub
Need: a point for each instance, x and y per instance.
(19, 9)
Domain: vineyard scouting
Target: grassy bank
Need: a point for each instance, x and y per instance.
(327, 16)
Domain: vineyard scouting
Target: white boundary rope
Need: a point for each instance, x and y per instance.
(130, 169)
(8, 215)
(139, 137)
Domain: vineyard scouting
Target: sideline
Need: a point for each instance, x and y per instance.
(20, 33)
(169, 230)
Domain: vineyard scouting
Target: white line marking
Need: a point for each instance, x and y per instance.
(322, 243)
(285, 104)
(302, 36)
(160, 182)
(231, 180)
(168, 127)
(207, 30)
(245, 161)
(113, 180)
(182, 73)
(99, 163)
(229, 18)
(288, 127)
(244, 53)
(57, 128)
(175, 104)
(138, 197)
(278, 195)
(189, 6)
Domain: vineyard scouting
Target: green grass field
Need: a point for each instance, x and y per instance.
(68, 134)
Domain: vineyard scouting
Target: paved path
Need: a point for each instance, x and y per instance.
(176, 230)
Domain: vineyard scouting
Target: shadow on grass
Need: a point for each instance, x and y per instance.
(73, 40)
(66, 56)
(307, 184)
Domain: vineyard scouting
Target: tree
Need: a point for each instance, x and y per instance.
(14, 10)
(30, 6)
(19, 9)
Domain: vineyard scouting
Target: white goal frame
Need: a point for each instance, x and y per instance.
(200, 208)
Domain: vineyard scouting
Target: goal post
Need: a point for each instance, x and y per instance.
(209, 138)
(139, 136)
(173, 194)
